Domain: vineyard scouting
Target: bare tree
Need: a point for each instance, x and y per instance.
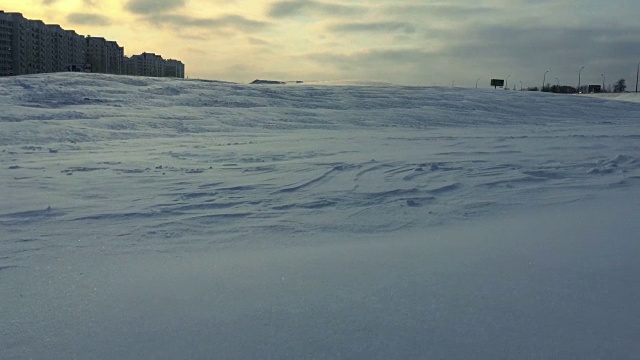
(620, 86)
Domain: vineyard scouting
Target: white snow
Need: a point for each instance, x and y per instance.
(626, 96)
(163, 219)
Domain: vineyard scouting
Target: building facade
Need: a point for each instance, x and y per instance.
(104, 56)
(174, 68)
(31, 46)
(150, 64)
(76, 56)
(146, 64)
(6, 35)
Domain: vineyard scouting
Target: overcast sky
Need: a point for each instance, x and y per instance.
(412, 42)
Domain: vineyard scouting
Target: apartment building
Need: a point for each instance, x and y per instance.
(21, 44)
(173, 68)
(145, 64)
(31, 46)
(76, 51)
(150, 64)
(105, 56)
(40, 49)
(6, 33)
(55, 48)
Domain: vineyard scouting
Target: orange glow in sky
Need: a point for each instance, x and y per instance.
(414, 42)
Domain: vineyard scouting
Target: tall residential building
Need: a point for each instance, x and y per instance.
(115, 58)
(150, 64)
(174, 68)
(54, 40)
(104, 56)
(31, 46)
(35, 47)
(96, 54)
(40, 50)
(146, 64)
(21, 43)
(6, 34)
(76, 56)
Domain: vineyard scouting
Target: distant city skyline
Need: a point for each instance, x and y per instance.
(411, 42)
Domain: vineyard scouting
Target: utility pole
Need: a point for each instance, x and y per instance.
(479, 80)
(557, 85)
(544, 79)
(579, 71)
(506, 82)
(603, 79)
(637, 73)
(520, 85)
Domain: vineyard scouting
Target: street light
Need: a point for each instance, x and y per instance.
(579, 71)
(520, 85)
(637, 73)
(557, 85)
(479, 80)
(506, 82)
(544, 78)
(603, 79)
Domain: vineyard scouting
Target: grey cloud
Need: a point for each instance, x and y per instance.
(460, 12)
(400, 65)
(145, 7)
(387, 26)
(394, 56)
(531, 51)
(88, 19)
(374, 56)
(550, 45)
(224, 22)
(291, 8)
(496, 50)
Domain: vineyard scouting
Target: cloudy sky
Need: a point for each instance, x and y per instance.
(412, 42)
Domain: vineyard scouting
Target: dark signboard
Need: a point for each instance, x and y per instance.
(595, 88)
(497, 82)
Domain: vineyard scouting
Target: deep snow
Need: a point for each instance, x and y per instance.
(157, 218)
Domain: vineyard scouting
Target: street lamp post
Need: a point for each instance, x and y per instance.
(477, 83)
(579, 78)
(557, 85)
(603, 79)
(506, 82)
(637, 73)
(544, 78)
(520, 85)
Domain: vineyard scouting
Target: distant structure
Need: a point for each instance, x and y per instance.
(267, 82)
(595, 89)
(150, 64)
(32, 47)
(104, 56)
(173, 68)
(497, 83)
(145, 64)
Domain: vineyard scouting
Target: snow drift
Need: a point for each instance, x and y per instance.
(159, 218)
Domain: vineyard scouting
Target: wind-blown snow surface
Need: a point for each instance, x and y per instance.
(163, 219)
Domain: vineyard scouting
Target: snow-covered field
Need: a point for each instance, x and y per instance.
(167, 219)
